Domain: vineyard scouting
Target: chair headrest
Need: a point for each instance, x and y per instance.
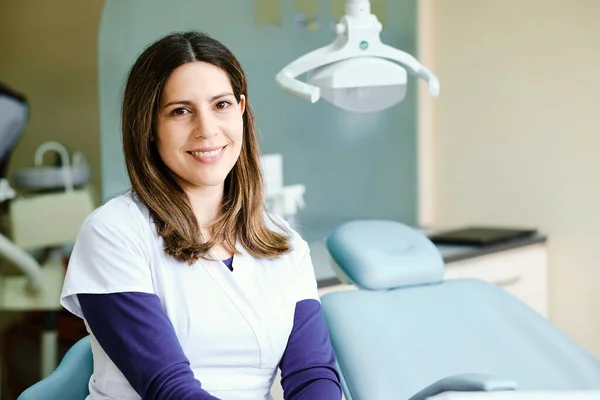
(379, 254)
(14, 115)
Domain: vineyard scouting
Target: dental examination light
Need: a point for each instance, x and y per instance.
(357, 72)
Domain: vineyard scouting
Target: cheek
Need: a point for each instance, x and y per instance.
(238, 143)
(163, 153)
(169, 142)
(238, 133)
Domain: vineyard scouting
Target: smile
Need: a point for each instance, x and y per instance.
(206, 154)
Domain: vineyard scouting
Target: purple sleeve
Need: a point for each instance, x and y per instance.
(308, 366)
(137, 335)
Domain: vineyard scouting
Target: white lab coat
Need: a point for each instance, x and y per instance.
(232, 326)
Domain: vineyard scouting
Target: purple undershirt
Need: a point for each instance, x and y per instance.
(229, 263)
(146, 350)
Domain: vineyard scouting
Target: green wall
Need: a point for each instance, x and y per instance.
(353, 165)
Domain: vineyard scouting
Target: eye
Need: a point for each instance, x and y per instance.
(180, 111)
(222, 105)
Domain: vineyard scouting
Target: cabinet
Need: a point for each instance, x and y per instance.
(521, 271)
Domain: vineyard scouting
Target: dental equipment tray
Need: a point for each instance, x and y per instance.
(480, 236)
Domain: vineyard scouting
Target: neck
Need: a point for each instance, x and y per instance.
(206, 203)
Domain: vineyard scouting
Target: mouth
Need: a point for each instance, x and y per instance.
(207, 152)
(207, 155)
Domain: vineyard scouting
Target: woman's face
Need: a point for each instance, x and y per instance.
(199, 126)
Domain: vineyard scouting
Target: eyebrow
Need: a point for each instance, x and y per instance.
(189, 102)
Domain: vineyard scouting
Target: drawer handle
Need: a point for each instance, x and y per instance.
(509, 281)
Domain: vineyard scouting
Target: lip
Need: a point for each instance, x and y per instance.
(205, 149)
(208, 160)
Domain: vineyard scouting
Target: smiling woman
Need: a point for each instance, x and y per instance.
(185, 97)
(188, 287)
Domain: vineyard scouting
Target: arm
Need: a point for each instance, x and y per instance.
(109, 283)
(137, 335)
(308, 366)
(308, 369)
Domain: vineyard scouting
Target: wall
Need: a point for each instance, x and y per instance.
(514, 137)
(49, 53)
(354, 166)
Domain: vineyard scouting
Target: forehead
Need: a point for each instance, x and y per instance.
(196, 79)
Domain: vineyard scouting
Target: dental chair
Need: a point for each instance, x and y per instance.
(14, 114)
(405, 333)
(70, 379)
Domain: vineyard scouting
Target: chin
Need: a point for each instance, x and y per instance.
(209, 182)
(204, 179)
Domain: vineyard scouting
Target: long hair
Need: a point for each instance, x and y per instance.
(242, 215)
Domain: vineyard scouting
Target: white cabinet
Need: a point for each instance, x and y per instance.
(523, 272)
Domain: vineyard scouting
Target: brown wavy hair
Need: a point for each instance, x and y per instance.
(242, 210)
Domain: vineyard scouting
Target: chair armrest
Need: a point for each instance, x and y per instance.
(465, 383)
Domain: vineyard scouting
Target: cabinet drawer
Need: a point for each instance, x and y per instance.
(521, 272)
(524, 266)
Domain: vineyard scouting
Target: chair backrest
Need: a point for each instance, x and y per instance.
(71, 378)
(394, 341)
(14, 114)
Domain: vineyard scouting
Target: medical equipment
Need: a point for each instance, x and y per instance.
(42, 177)
(33, 227)
(403, 326)
(41, 224)
(283, 201)
(14, 114)
(357, 72)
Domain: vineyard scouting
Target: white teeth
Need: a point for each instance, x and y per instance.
(205, 154)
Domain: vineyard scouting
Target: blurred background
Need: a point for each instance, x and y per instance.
(513, 139)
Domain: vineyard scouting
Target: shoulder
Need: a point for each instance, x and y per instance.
(122, 217)
(277, 224)
(300, 281)
(112, 253)
(121, 210)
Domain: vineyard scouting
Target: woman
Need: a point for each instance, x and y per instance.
(189, 289)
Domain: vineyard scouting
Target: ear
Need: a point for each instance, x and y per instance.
(242, 103)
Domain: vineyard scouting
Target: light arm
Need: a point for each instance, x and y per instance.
(410, 63)
(293, 86)
(286, 78)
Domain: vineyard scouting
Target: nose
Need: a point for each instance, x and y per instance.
(204, 125)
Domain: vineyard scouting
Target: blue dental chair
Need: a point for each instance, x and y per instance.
(408, 334)
(70, 379)
(14, 115)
